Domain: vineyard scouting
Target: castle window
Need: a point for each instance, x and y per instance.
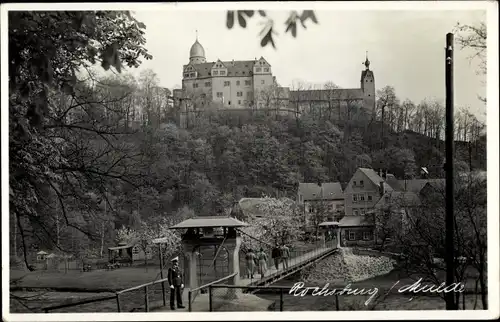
(258, 69)
(266, 70)
(227, 83)
(237, 83)
(215, 73)
(248, 82)
(262, 82)
(207, 84)
(222, 72)
(219, 94)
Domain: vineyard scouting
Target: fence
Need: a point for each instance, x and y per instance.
(222, 298)
(139, 298)
(192, 294)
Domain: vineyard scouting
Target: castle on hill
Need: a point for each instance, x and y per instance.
(250, 85)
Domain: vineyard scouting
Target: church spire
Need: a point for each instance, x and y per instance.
(367, 62)
(196, 34)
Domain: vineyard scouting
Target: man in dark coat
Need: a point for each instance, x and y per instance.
(175, 279)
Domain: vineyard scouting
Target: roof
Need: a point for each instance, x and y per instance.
(327, 190)
(205, 222)
(375, 178)
(407, 198)
(415, 185)
(249, 208)
(196, 50)
(120, 247)
(327, 94)
(42, 253)
(355, 221)
(329, 223)
(234, 68)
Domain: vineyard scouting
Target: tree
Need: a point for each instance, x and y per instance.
(473, 37)
(268, 31)
(47, 50)
(423, 242)
(280, 224)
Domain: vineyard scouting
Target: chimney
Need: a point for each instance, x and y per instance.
(382, 188)
(384, 174)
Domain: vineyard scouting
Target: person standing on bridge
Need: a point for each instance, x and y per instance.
(251, 259)
(276, 255)
(262, 257)
(285, 255)
(176, 284)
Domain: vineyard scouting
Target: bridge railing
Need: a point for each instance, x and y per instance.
(272, 298)
(193, 293)
(297, 255)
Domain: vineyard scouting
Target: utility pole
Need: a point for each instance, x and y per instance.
(450, 256)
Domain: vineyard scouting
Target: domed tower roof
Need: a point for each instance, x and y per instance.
(197, 50)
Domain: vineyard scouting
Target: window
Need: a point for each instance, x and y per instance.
(355, 212)
(369, 198)
(361, 183)
(366, 235)
(195, 85)
(228, 102)
(207, 84)
(215, 73)
(363, 211)
(227, 83)
(192, 74)
(262, 82)
(219, 94)
(239, 94)
(362, 197)
(186, 74)
(258, 69)
(237, 83)
(135, 250)
(354, 183)
(239, 102)
(266, 70)
(247, 82)
(354, 197)
(338, 206)
(222, 72)
(352, 235)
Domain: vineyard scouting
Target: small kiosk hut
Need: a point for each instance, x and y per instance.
(211, 249)
(331, 230)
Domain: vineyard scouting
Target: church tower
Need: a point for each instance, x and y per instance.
(368, 86)
(197, 53)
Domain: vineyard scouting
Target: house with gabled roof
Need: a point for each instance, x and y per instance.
(327, 198)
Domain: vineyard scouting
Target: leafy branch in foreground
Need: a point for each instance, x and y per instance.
(268, 31)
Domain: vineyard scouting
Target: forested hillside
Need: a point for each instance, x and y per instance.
(89, 155)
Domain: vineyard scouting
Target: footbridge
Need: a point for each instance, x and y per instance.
(214, 255)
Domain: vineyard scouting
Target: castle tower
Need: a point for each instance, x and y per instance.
(197, 53)
(368, 86)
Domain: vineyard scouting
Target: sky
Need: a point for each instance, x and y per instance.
(405, 48)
